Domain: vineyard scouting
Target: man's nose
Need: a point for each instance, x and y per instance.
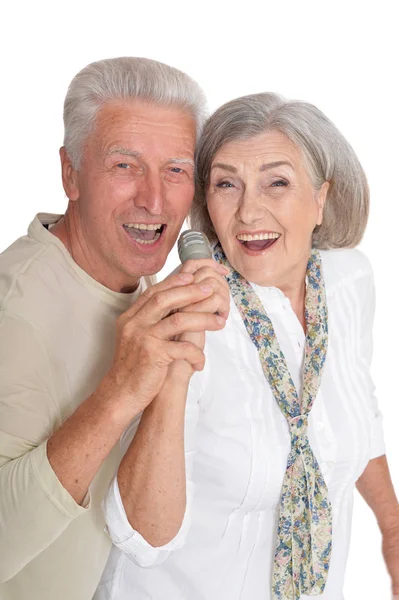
(252, 207)
(150, 194)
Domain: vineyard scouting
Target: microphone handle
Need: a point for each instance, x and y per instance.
(193, 245)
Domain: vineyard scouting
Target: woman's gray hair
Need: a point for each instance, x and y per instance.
(327, 154)
(125, 78)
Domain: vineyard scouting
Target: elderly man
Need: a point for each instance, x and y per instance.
(85, 344)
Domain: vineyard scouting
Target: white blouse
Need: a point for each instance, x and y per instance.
(237, 443)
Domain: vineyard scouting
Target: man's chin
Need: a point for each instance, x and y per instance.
(149, 265)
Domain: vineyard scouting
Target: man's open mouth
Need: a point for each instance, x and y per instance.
(258, 241)
(144, 233)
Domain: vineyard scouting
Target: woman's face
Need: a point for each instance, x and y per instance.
(264, 208)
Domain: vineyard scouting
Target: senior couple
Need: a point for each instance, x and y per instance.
(139, 457)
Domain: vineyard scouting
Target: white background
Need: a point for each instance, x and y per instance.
(341, 56)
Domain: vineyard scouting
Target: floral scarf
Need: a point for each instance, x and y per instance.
(304, 537)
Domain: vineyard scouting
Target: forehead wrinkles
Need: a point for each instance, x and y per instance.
(250, 155)
(168, 140)
(138, 117)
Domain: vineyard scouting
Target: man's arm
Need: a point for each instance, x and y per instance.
(41, 491)
(145, 348)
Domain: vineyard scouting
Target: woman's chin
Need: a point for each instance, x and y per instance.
(261, 269)
(263, 274)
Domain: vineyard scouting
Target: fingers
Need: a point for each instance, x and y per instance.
(192, 266)
(188, 352)
(219, 301)
(177, 292)
(213, 304)
(176, 280)
(156, 305)
(181, 322)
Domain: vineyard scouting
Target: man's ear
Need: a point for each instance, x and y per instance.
(69, 176)
(321, 200)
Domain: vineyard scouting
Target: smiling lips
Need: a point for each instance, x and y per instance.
(144, 233)
(257, 242)
(149, 233)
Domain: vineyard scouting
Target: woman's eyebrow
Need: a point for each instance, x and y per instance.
(264, 167)
(276, 163)
(225, 167)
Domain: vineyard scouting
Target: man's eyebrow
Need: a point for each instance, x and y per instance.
(125, 152)
(135, 154)
(181, 161)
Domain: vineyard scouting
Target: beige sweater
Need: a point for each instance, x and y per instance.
(57, 328)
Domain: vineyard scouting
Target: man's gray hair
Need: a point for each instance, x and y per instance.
(120, 79)
(327, 154)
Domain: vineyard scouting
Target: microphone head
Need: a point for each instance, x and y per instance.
(193, 244)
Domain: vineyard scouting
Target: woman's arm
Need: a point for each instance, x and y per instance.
(154, 477)
(152, 474)
(375, 485)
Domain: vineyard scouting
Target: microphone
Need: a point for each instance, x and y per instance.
(193, 244)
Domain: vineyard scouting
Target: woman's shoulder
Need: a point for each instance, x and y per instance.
(345, 266)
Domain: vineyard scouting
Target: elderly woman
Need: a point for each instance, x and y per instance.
(282, 423)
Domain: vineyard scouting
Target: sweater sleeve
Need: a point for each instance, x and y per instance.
(34, 506)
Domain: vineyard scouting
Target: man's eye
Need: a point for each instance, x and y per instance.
(122, 165)
(176, 170)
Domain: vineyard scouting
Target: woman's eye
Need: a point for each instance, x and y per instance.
(224, 184)
(279, 183)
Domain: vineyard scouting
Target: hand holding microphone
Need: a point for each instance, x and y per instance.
(163, 333)
(196, 255)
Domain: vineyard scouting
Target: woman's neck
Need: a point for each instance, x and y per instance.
(295, 291)
(297, 298)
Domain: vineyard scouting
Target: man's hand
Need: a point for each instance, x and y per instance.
(150, 336)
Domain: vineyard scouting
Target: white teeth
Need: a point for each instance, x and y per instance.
(150, 227)
(245, 237)
(157, 235)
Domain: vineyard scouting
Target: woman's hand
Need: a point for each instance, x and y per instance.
(375, 485)
(206, 272)
(390, 552)
(210, 273)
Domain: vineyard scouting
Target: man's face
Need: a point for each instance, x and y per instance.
(133, 189)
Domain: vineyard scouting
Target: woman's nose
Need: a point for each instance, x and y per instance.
(252, 207)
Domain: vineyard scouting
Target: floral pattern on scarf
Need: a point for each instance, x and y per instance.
(304, 536)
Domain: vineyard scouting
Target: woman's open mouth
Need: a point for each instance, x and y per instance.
(144, 233)
(258, 242)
